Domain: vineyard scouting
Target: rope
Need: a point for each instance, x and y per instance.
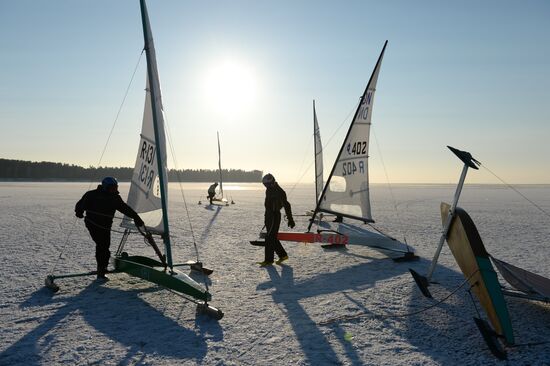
(105, 215)
(181, 189)
(64, 247)
(394, 201)
(326, 144)
(473, 301)
(396, 315)
(183, 198)
(381, 232)
(103, 227)
(305, 155)
(518, 192)
(120, 108)
(528, 344)
(52, 270)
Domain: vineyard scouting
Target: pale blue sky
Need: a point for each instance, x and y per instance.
(471, 74)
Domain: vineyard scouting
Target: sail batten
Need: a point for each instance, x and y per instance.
(346, 192)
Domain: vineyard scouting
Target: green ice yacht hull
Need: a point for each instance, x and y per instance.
(154, 271)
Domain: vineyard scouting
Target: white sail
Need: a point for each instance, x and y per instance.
(220, 166)
(145, 190)
(318, 156)
(347, 190)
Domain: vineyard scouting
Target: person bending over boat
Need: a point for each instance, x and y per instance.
(100, 205)
(212, 191)
(275, 199)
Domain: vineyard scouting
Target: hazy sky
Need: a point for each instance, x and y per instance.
(471, 74)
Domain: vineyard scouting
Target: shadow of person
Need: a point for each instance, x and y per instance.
(291, 294)
(121, 315)
(208, 226)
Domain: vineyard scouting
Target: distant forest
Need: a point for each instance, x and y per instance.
(44, 171)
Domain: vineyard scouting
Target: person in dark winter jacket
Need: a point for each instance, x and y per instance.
(275, 199)
(100, 205)
(212, 191)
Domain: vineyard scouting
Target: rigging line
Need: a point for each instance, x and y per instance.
(394, 201)
(64, 247)
(305, 155)
(169, 134)
(382, 232)
(324, 147)
(102, 214)
(174, 159)
(341, 124)
(101, 157)
(105, 227)
(518, 192)
(397, 315)
(300, 179)
(120, 108)
(469, 291)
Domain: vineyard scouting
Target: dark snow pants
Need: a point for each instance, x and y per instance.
(272, 244)
(102, 239)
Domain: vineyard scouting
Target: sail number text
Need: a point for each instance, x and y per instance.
(147, 171)
(358, 148)
(365, 104)
(350, 168)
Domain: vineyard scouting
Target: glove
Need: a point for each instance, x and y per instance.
(139, 222)
(79, 214)
(291, 223)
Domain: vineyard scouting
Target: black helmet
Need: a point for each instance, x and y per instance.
(109, 182)
(268, 179)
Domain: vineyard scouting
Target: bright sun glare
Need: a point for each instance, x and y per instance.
(230, 88)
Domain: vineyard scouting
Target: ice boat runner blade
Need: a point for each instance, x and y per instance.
(421, 282)
(258, 243)
(49, 282)
(491, 339)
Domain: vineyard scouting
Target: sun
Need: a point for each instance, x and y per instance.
(230, 88)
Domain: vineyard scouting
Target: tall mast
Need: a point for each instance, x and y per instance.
(220, 163)
(153, 84)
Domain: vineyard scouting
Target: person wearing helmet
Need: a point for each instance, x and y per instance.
(275, 199)
(212, 191)
(100, 205)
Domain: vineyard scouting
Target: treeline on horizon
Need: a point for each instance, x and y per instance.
(29, 170)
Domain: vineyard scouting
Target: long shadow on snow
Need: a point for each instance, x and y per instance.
(448, 333)
(289, 293)
(210, 207)
(445, 332)
(208, 227)
(119, 314)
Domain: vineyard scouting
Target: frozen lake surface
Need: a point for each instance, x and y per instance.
(276, 315)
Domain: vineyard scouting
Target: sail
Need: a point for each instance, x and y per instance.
(220, 165)
(346, 192)
(522, 280)
(146, 194)
(318, 147)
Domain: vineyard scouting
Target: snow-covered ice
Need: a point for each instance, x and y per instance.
(277, 315)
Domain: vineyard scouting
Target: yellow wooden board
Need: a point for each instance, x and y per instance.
(472, 258)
